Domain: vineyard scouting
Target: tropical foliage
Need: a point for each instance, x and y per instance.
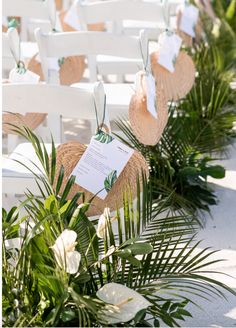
(178, 168)
(200, 126)
(62, 269)
(142, 265)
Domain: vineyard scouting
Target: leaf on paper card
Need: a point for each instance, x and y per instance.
(61, 61)
(110, 180)
(103, 137)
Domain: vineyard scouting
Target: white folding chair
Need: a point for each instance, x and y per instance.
(33, 13)
(125, 17)
(26, 49)
(56, 45)
(22, 98)
(135, 14)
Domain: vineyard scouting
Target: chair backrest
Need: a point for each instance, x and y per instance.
(26, 8)
(41, 12)
(120, 10)
(57, 45)
(53, 99)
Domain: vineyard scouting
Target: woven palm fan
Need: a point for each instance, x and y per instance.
(59, 4)
(70, 153)
(187, 39)
(71, 70)
(4, 28)
(177, 84)
(145, 126)
(31, 120)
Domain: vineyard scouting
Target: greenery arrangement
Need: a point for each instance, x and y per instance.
(200, 127)
(138, 268)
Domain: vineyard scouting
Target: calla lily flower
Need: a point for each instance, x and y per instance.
(102, 222)
(127, 302)
(64, 251)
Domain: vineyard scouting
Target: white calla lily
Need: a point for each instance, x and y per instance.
(64, 251)
(102, 222)
(127, 302)
(13, 243)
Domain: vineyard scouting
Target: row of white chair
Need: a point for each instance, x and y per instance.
(116, 11)
(77, 101)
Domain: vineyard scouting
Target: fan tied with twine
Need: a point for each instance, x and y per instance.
(73, 67)
(71, 70)
(31, 120)
(187, 39)
(177, 84)
(69, 154)
(147, 128)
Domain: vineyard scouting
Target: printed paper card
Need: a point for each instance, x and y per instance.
(101, 164)
(189, 19)
(23, 76)
(71, 17)
(151, 95)
(169, 45)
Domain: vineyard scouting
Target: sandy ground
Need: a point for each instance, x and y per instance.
(220, 233)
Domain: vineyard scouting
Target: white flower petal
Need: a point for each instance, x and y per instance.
(72, 262)
(66, 239)
(107, 212)
(64, 250)
(59, 256)
(127, 300)
(101, 226)
(102, 222)
(13, 243)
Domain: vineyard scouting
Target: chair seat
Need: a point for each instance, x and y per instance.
(118, 97)
(15, 177)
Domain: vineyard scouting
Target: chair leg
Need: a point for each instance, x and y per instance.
(55, 125)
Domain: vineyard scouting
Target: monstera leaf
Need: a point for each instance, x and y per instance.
(103, 137)
(110, 180)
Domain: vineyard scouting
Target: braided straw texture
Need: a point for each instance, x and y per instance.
(71, 71)
(4, 28)
(175, 85)
(68, 155)
(31, 120)
(147, 128)
(59, 4)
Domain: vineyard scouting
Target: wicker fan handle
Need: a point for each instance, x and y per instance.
(104, 128)
(140, 83)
